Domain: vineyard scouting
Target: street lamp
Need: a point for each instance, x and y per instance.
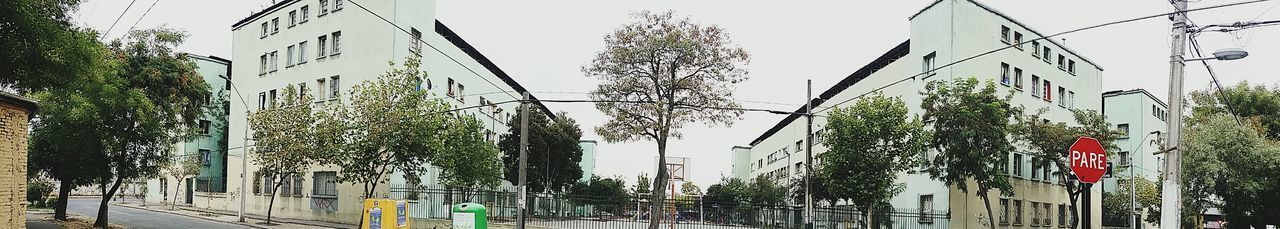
(1225, 54)
(244, 149)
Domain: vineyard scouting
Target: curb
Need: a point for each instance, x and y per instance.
(192, 216)
(275, 219)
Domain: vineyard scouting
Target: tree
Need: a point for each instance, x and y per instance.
(477, 166)
(868, 145)
(818, 188)
(180, 168)
(1047, 143)
(285, 140)
(1116, 206)
(553, 152)
(971, 127)
(67, 139)
(42, 49)
(666, 72)
(766, 191)
(1247, 101)
(1235, 164)
(690, 189)
(642, 184)
(603, 194)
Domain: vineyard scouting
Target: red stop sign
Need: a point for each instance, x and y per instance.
(1088, 159)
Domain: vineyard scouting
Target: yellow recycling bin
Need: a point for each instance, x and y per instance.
(385, 214)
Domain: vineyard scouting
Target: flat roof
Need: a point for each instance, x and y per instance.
(254, 16)
(457, 41)
(1134, 91)
(862, 73)
(1006, 17)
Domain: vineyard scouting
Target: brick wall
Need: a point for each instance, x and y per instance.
(13, 165)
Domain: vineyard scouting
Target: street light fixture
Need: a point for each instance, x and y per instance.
(1225, 54)
(244, 149)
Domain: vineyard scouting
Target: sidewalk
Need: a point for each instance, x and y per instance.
(43, 219)
(252, 220)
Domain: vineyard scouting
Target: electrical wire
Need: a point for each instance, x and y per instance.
(113, 24)
(1046, 38)
(1195, 45)
(144, 14)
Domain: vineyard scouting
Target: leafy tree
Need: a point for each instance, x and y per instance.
(1248, 101)
(726, 198)
(603, 194)
(690, 189)
(971, 127)
(669, 72)
(1234, 163)
(1116, 206)
(766, 191)
(42, 49)
(819, 189)
(67, 139)
(477, 166)
(642, 184)
(180, 168)
(868, 145)
(1047, 143)
(553, 152)
(285, 140)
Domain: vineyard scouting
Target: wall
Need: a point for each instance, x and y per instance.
(588, 163)
(15, 116)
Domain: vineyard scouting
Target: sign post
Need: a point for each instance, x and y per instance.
(1089, 163)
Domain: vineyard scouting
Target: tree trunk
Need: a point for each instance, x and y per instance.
(177, 188)
(64, 192)
(101, 222)
(991, 219)
(272, 203)
(659, 183)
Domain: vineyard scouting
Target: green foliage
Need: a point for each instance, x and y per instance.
(1233, 163)
(1257, 103)
(604, 194)
(766, 191)
(1047, 143)
(643, 185)
(553, 152)
(42, 49)
(477, 166)
(972, 130)
(869, 144)
(284, 141)
(180, 168)
(1116, 206)
(690, 189)
(819, 189)
(38, 190)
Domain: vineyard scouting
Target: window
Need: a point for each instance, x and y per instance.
(1035, 49)
(320, 92)
(205, 157)
(302, 52)
(273, 61)
(1124, 158)
(799, 146)
(1035, 86)
(264, 30)
(1048, 91)
(337, 43)
(320, 46)
(1071, 67)
(333, 87)
(325, 184)
(1071, 99)
(288, 61)
(759, 163)
(462, 95)
(324, 8)
(286, 184)
(1062, 102)
(1046, 219)
(267, 184)
(1017, 40)
(306, 13)
(1004, 74)
(337, 5)
(262, 100)
(1124, 130)
(275, 25)
(1017, 78)
(297, 185)
(1017, 165)
(927, 65)
(293, 18)
(1035, 214)
(1035, 173)
(799, 167)
(302, 90)
(1004, 211)
(926, 204)
(450, 92)
(1047, 53)
(271, 99)
(1004, 34)
(415, 41)
(1017, 212)
(1062, 215)
(204, 127)
(1062, 62)
(263, 68)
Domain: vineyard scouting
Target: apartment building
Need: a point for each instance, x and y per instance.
(588, 163)
(1141, 117)
(208, 148)
(329, 46)
(1039, 74)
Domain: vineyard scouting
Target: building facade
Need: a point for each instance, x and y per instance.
(588, 163)
(1141, 117)
(329, 46)
(210, 145)
(1039, 74)
(15, 118)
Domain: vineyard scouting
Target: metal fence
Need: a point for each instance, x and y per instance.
(570, 211)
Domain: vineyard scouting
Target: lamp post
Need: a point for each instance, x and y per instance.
(244, 149)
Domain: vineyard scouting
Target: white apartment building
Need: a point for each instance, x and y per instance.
(329, 46)
(1142, 118)
(1041, 74)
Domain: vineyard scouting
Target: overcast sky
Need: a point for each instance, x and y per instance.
(543, 44)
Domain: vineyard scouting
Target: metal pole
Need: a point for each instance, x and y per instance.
(524, 152)
(1087, 212)
(1133, 190)
(1171, 195)
(244, 148)
(808, 155)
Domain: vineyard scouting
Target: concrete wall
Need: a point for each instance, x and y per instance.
(588, 163)
(1143, 114)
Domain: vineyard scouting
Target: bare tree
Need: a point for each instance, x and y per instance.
(662, 73)
(182, 167)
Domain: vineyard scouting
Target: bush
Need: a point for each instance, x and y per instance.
(38, 191)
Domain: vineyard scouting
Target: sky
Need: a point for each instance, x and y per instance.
(544, 44)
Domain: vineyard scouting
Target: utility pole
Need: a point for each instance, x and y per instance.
(1171, 195)
(808, 155)
(524, 152)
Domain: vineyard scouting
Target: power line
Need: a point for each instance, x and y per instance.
(113, 24)
(433, 47)
(1044, 38)
(1195, 45)
(144, 14)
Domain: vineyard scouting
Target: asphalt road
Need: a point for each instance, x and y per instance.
(134, 218)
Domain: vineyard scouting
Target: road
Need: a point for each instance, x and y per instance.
(134, 218)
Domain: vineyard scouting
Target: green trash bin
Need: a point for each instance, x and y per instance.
(469, 216)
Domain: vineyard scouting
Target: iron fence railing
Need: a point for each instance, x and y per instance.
(570, 211)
